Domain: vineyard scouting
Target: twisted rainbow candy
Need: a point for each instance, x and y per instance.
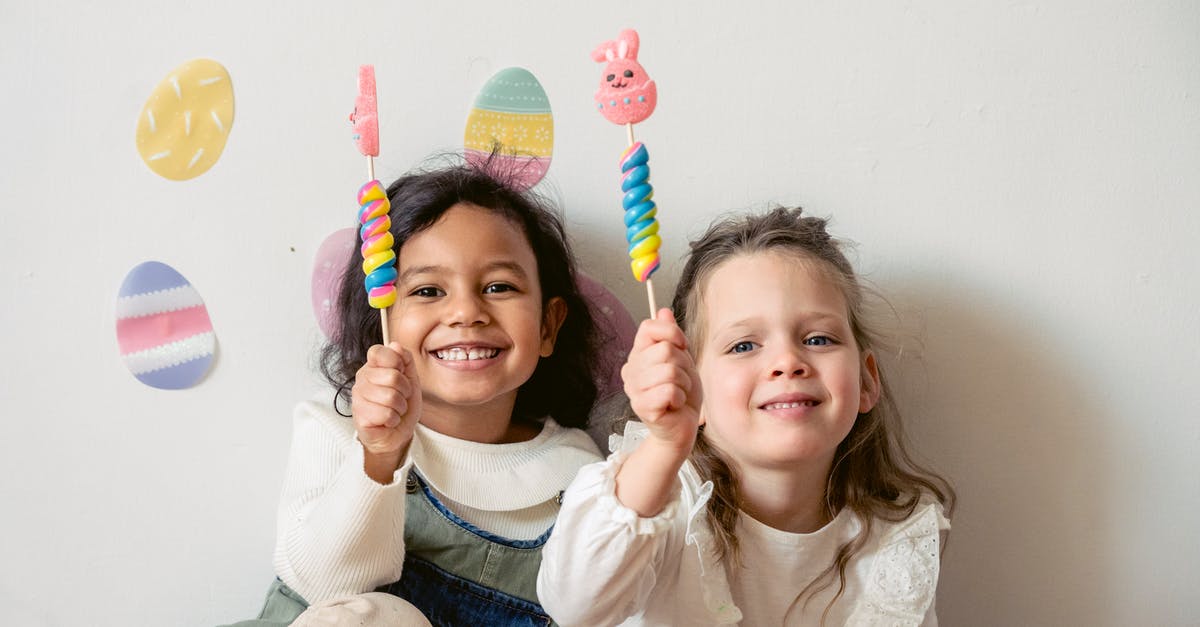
(379, 261)
(641, 226)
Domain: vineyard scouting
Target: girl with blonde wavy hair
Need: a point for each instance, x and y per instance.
(767, 482)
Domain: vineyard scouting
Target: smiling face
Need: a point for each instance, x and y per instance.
(622, 73)
(782, 375)
(469, 309)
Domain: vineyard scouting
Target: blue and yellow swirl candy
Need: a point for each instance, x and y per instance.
(641, 225)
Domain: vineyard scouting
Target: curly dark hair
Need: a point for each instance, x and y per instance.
(563, 384)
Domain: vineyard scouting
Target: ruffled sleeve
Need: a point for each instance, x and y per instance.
(903, 578)
(602, 559)
(604, 563)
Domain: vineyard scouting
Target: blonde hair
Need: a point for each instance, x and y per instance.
(873, 473)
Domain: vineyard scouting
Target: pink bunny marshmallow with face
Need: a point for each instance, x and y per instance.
(626, 94)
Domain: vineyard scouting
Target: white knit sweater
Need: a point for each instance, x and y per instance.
(339, 532)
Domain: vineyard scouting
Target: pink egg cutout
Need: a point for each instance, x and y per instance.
(329, 264)
(164, 333)
(617, 330)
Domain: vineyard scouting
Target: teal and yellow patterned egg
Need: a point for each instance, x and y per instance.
(511, 117)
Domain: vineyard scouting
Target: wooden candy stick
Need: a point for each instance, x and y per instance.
(379, 259)
(628, 96)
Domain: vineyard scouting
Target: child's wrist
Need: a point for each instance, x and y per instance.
(670, 451)
(381, 467)
(646, 481)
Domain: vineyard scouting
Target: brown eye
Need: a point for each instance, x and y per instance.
(628, 73)
(610, 77)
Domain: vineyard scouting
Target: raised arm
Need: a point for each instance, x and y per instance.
(619, 534)
(341, 514)
(664, 391)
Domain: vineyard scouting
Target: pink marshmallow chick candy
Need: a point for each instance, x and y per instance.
(626, 94)
(366, 113)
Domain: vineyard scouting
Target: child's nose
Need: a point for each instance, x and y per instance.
(467, 309)
(789, 362)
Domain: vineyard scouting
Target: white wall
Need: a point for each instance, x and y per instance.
(1021, 180)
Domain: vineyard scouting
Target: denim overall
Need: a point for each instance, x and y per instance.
(458, 574)
(454, 572)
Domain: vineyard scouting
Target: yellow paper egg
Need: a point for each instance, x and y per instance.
(182, 129)
(511, 115)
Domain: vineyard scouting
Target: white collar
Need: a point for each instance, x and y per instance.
(502, 477)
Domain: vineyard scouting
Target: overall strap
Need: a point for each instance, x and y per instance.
(435, 534)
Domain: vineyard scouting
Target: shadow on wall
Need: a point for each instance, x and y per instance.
(995, 405)
(990, 401)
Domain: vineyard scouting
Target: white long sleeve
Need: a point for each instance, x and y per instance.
(601, 560)
(605, 565)
(339, 532)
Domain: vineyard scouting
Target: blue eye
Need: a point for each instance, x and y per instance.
(742, 347)
(818, 340)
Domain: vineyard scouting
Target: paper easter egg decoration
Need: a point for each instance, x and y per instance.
(617, 330)
(183, 126)
(512, 114)
(626, 94)
(329, 265)
(164, 333)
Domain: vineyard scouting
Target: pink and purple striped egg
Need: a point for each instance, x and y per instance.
(163, 330)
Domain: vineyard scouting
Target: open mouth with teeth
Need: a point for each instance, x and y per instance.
(792, 405)
(465, 354)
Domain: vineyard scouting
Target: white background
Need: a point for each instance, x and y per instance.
(1020, 177)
